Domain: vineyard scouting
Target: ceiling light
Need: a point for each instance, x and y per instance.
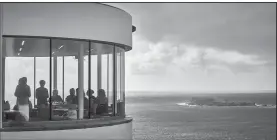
(90, 50)
(60, 47)
(22, 42)
(18, 54)
(20, 49)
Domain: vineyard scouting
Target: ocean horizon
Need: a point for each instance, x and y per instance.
(163, 117)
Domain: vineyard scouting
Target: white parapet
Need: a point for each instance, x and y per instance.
(115, 132)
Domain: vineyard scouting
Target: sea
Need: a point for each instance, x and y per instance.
(167, 117)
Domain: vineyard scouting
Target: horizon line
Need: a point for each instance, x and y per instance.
(202, 91)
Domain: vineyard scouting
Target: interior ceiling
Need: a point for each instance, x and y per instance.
(35, 47)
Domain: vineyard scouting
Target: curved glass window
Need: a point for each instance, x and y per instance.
(62, 79)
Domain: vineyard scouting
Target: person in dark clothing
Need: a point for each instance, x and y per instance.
(23, 93)
(91, 95)
(56, 97)
(92, 98)
(102, 102)
(93, 104)
(71, 99)
(42, 94)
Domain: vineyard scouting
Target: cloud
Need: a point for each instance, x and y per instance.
(207, 46)
(147, 62)
(243, 27)
(163, 55)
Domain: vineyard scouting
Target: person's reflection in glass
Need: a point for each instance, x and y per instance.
(42, 94)
(23, 92)
(56, 98)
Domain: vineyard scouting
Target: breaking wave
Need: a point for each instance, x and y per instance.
(187, 104)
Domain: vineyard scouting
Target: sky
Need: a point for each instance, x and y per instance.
(182, 47)
(202, 47)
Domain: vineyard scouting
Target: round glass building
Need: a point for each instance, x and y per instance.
(62, 69)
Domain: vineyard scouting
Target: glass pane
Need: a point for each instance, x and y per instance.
(105, 78)
(70, 75)
(122, 76)
(120, 97)
(42, 86)
(102, 53)
(122, 82)
(93, 83)
(74, 54)
(16, 68)
(110, 82)
(118, 69)
(31, 57)
(25, 63)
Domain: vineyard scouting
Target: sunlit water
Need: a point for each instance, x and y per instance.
(162, 118)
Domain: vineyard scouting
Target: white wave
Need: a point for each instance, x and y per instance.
(256, 105)
(186, 104)
(265, 106)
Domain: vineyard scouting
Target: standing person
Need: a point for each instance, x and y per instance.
(42, 94)
(23, 93)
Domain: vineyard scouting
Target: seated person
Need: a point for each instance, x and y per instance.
(56, 98)
(93, 103)
(102, 102)
(71, 99)
(42, 94)
(91, 95)
(6, 105)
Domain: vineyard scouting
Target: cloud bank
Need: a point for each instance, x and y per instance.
(162, 55)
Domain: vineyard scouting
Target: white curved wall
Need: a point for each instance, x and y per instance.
(70, 20)
(116, 132)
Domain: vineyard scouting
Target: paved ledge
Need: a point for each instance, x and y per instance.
(65, 124)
